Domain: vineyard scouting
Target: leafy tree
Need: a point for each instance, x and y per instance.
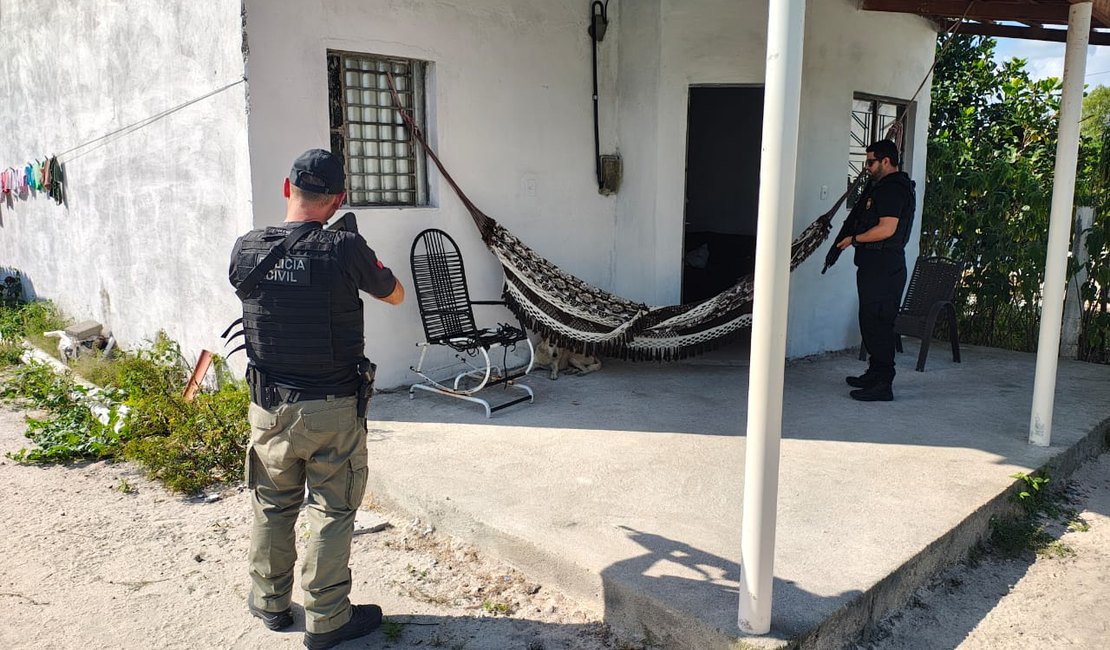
(992, 146)
(1096, 112)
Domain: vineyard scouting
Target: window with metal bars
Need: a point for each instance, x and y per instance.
(385, 166)
(871, 119)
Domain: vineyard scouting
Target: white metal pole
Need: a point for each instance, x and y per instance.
(1059, 224)
(778, 162)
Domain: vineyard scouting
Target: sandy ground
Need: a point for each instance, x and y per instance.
(1042, 602)
(96, 556)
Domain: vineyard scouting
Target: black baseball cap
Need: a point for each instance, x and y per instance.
(319, 171)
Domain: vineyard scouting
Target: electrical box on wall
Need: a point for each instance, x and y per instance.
(610, 170)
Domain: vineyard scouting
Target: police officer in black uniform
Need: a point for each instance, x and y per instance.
(880, 241)
(310, 384)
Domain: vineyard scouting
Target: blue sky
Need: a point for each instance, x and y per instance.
(1047, 59)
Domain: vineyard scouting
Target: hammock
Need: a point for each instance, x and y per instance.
(576, 315)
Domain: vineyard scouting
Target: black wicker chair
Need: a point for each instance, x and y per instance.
(447, 314)
(929, 297)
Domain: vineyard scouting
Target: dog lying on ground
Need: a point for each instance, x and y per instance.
(67, 345)
(555, 358)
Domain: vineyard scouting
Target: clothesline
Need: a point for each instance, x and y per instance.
(49, 175)
(135, 126)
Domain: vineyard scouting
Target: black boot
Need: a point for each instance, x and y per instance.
(879, 392)
(364, 620)
(866, 380)
(273, 620)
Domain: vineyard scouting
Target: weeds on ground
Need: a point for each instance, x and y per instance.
(70, 430)
(392, 630)
(11, 353)
(20, 320)
(1040, 508)
(188, 446)
(496, 608)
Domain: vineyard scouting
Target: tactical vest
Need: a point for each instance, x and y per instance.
(905, 220)
(901, 235)
(304, 317)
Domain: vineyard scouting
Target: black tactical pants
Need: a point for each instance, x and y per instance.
(880, 283)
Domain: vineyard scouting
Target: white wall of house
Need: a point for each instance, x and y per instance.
(849, 51)
(509, 101)
(144, 239)
(143, 243)
(668, 45)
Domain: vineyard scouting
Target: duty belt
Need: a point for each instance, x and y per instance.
(269, 396)
(290, 395)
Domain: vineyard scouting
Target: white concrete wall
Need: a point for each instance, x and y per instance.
(667, 46)
(849, 51)
(509, 99)
(144, 241)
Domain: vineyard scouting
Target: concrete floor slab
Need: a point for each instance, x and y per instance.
(624, 487)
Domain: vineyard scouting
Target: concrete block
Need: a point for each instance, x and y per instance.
(84, 330)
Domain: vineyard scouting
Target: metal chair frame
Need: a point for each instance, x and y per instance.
(447, 314)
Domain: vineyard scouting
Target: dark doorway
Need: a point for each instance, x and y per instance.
(722, 187)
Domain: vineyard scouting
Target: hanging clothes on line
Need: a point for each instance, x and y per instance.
(36, 175)
(55, 188)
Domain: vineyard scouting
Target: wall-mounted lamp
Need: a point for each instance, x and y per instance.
(599, 20)
(607, 168)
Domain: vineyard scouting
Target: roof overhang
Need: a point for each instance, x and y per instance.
(1040, 20)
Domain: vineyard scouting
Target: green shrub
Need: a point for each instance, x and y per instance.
(69, 431)
(10, 352)
(189, 446)
(186, 445)
(30, 320)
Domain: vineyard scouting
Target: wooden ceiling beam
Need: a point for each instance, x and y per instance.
(1027, 33)
(1009, 10)
(1100, 12)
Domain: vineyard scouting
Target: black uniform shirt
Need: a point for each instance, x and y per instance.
(364, 267)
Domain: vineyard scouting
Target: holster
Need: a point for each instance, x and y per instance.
(261, 392)
(366, 372)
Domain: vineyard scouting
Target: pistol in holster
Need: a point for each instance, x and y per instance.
(366, 372)
(261, 392)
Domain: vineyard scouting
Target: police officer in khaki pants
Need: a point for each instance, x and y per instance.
(310, 385)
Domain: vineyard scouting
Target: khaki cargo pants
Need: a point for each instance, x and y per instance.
(321, 443)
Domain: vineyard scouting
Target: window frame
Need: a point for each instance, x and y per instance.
(411, 77)
(876, 130)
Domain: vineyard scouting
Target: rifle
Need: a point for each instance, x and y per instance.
(851, 222)
(345, 223)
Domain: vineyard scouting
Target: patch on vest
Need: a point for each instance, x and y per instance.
(289, 270)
